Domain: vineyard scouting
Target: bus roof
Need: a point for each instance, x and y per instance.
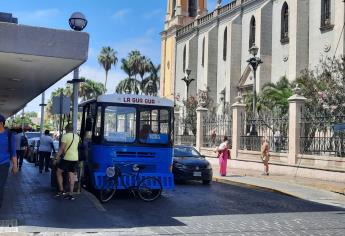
(133, 99)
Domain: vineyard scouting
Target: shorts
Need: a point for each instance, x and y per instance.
(68, 166)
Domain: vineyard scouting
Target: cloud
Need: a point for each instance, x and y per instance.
(38, 15)
(95, 73)
(121, 14)
(153, 14)
(151, 32)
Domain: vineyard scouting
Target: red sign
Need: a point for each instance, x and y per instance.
(140, 100)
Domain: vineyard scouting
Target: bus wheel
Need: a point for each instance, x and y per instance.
(108, 190)
(149, 189)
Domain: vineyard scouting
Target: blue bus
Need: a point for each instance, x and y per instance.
(125, 128)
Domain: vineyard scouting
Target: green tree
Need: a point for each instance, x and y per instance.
(90, 89)
(128, 85)
(107, 58)
(135, 60)
(150, 85)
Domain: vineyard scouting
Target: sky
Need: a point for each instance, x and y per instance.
(121, 24)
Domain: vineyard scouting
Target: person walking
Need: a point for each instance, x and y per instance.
(21, 146)
(69, 151)
(45, 150)
(223, 155)
(265, 155)
(7, 154)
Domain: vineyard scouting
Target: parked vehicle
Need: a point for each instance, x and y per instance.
(31, 135)
(120, 129)
(32, 152)
(189, 164)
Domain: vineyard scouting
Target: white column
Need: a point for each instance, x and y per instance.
(200, 115)
(238, 113)
(75, 99)
(296, 104)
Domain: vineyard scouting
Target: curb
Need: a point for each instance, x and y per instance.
(240, 184)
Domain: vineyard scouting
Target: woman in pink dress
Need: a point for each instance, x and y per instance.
(223, 155)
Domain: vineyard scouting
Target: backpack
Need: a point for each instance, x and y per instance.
(23, 141)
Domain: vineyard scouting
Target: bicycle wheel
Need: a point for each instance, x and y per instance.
(108, 190)
(149, 189)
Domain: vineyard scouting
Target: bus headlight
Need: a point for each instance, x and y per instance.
(110, 172)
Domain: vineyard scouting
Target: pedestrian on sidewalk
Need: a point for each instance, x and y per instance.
(265, 155)
(69, 161)
(45, 150)
(21, 146)
(223, 155)
(7, 154)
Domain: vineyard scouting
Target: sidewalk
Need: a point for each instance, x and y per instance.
(323, 192)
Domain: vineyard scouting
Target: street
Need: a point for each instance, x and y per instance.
(193, 208)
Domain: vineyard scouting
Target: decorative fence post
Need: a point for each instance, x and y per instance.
(296, 104)
(201, 113)
(238, 110)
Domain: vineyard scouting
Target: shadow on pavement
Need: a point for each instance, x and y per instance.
(30, 199)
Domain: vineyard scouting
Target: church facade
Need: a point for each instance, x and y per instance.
(291, 35)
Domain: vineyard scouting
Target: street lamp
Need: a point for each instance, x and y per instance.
(254, 62)
(77, 22)
(187, 80)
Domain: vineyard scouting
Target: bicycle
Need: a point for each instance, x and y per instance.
(147, 188)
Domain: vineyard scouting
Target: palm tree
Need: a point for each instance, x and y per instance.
(150, 85)
(277, 95)
(135, 59)
(273, 97)
(90, 89)
(143, 68)
(128, 85)
(107, 58)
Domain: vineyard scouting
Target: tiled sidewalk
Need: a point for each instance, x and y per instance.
(324, 192)
(30, 200)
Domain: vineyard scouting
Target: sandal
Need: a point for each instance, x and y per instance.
(60, 194)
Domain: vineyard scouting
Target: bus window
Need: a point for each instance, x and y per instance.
(154, 126)
(120, 124)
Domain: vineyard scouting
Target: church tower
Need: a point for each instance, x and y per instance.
(179, 13)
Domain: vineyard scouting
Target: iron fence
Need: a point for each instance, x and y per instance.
(272, 126)
(322, 133)
(215, 127)
(184, 133)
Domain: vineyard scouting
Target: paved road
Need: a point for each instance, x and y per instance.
(193, 209)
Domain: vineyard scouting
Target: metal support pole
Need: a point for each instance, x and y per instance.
(254, 93)
(75, 99)
(23, 119)
(42, 113)
(60, 112)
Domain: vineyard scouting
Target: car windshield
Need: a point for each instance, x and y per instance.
(185, 152)
(30, 135)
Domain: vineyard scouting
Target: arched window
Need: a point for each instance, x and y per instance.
(184, 58)
(192, 8)
(284, 35)
(203, 52)
(225, 43)
(252, 32)
(173, 8)
(325, 13)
